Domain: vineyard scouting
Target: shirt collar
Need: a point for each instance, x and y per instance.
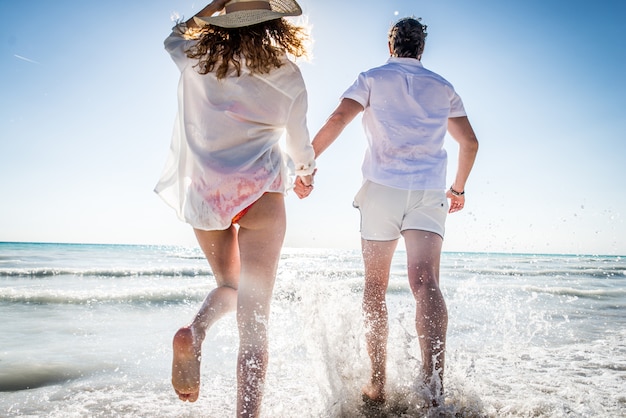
(405, 61)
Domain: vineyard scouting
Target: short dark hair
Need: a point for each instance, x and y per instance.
(407, 37)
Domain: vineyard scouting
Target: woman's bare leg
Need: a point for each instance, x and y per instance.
(261, 235)
(222, 252)
(431, 315)
(377, 257)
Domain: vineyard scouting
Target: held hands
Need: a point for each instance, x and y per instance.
(304, 185)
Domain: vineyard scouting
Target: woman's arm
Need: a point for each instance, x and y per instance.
(209, 10)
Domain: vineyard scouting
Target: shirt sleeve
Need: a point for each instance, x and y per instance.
(177, 43)
(359, 91)
(298, 141)
(456, 106)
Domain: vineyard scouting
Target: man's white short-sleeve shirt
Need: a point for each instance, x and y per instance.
(405, 120)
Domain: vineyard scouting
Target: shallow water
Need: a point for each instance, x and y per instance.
(87, 330)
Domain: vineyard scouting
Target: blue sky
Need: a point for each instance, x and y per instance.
(87, 105)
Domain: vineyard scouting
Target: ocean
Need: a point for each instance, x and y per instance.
(86, 331)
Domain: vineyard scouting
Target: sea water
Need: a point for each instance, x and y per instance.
(86, 331)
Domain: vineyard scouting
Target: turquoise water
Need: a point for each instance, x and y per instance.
(86, 332)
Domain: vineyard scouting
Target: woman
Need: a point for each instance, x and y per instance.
(226, 174)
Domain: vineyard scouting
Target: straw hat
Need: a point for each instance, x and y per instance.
(238, 13)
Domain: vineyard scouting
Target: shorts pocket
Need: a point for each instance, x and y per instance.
(361, 195)
(436, 199)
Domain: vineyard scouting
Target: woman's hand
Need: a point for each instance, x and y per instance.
(304, 185)
(210, 9)
(219, 4)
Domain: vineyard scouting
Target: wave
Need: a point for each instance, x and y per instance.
(43, 272)
(580, 293)
(611, 272)
(120, 272)
(99, 296)
(33, 375)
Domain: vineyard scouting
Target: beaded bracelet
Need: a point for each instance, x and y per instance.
(454, 192)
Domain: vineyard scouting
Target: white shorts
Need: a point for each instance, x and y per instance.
(386, 211)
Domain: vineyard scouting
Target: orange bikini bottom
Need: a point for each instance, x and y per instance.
(243, 212)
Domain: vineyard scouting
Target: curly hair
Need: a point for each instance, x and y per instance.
(407, 37)
(261, 46)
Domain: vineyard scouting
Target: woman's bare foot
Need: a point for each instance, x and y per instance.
(373, 394)
(186, 365)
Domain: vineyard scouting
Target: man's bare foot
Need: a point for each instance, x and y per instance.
(373, 394)
(186, 365)
(433, 391)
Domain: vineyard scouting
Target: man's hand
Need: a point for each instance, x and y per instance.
(457, 202)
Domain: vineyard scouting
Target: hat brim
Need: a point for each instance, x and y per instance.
(241, 18)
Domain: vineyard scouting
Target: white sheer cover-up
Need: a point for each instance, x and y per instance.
(225, 151)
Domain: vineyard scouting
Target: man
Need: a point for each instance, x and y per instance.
(407, 110)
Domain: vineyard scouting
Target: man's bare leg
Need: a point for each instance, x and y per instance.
(261, 238)
(431, 315)
(222, 252)
(377, 257)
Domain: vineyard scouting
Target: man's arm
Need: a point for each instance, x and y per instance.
(462, 132)
(337, 121)
(335, 124)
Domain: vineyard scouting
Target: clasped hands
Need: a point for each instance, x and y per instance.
(304, 185)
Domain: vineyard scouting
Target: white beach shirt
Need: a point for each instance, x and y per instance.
(225, 150)
(405, 121)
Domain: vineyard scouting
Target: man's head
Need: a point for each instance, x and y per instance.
(407, 38)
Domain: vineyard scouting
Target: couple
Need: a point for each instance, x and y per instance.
(226, 177)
